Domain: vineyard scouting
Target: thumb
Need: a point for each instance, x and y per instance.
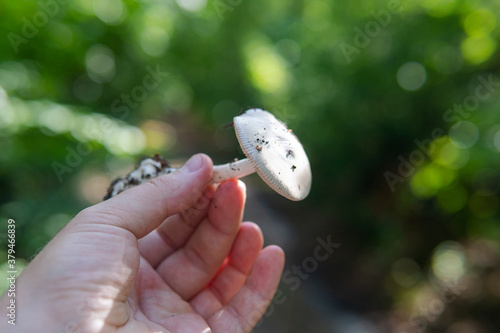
(142, 209)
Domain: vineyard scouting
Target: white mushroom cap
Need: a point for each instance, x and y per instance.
(275, 152)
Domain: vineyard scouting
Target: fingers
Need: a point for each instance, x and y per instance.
(192, 267)
(140, 210)
(234, 272)
(250, 303)
(173, 233)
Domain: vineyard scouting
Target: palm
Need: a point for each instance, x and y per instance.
(150, 316)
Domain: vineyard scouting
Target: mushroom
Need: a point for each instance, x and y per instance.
(273, 151)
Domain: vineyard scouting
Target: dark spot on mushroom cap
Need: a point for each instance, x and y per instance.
(293, 168)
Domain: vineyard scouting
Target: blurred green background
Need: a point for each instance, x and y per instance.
(396, 103)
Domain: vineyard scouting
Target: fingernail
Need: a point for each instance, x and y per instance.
(193, 164)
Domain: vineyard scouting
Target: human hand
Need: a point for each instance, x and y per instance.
(170, 255)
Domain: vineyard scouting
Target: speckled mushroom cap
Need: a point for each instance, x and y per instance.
(275, 152)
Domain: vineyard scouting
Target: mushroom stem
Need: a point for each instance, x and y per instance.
(235, 169)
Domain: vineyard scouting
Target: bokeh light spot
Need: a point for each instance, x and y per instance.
(453, 157)
(411, 76)
(83, 6)
(160, 135)
(100, 63)
(496, 140)
(478, 49)
(126, 140)
(7, 114)
(427, 181)
(61, 34)
(406, 272)
(15, 115)
(91, 186)
(82, 126)
(464, 134)
(14, 75)
(192, 5)
(267, 69)
(449, 261)
(111, 12)
(154, 40)
(479, 23)
(56, 118)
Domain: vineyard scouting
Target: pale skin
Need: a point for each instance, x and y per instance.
(171, 255)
